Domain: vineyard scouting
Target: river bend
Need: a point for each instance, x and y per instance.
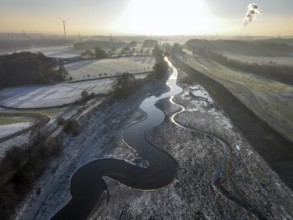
(87, 184)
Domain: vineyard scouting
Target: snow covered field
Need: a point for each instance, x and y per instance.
(9, 129)
(109, 67)
(57, 51)
(199, 157)
(258, 59)
(39, 96)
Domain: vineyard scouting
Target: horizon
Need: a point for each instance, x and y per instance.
(158, 18)
(44, 34)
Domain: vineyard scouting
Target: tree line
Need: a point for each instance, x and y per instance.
(24, 68)
(126, 84)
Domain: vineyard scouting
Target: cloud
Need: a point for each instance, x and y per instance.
(253, 11)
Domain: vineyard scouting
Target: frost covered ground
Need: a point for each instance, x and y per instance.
(39, 96)
(17, 141)
(57, 51)
(6, 130)
(109, 67)
(192, 194)
(96, 140)
(288, 60)
(270, 100)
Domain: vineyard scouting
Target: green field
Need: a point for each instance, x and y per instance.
(13, 120)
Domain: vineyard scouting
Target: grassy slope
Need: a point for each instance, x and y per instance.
(12, 120)
(275, 149)
(268, 99)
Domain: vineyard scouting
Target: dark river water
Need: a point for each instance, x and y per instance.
(87, 184)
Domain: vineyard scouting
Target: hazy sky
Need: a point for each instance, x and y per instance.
(145, 16)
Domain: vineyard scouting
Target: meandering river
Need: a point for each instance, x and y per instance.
(87, 184)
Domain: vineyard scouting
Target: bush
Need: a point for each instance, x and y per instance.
(160, 70)
(16, 157)
(72, 126)
(85, 96)
(99, 53)
(61, 121)
(53, 146)
(124, 81)
(126, 84)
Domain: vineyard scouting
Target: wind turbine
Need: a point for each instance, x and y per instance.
(24, 34)
(80, 40)
(64, 26)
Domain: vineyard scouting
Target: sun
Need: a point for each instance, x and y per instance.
(165, 17)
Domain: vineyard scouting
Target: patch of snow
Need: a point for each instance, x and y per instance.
(39, 96)
(9, 129)
(192, 109)
(18, 141)
(110, 67)
(249, 152)
(141, 76)
(135, 161)
(56, 51)
(200, 92)
(185, 95)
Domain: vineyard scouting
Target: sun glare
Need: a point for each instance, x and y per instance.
(165, 17)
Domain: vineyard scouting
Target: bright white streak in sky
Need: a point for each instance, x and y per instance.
(166, 17)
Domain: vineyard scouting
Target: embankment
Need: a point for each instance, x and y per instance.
(275, 149)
